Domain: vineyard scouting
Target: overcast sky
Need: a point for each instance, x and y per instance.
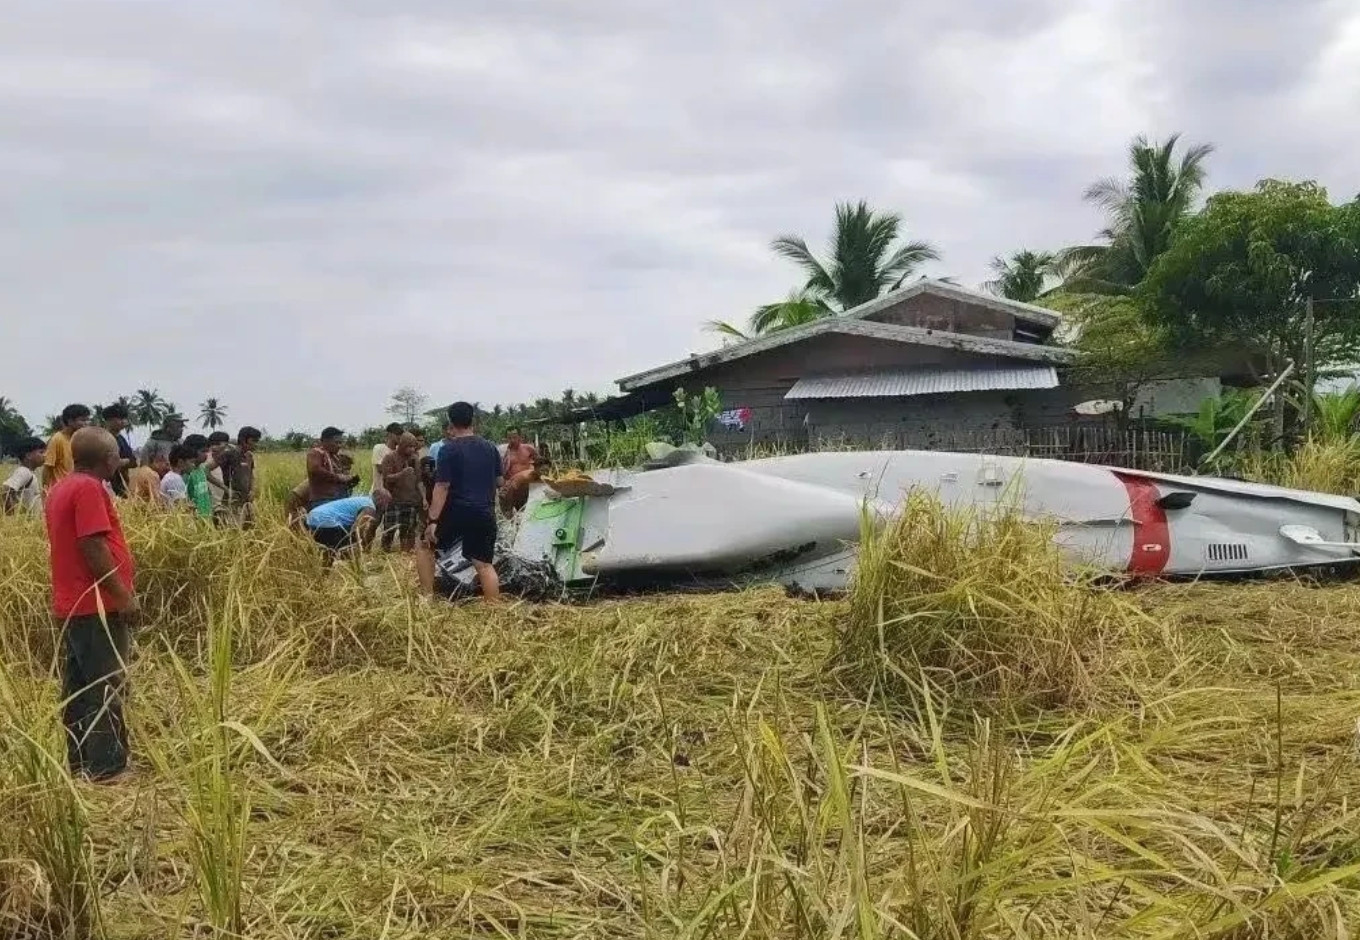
(298, 205)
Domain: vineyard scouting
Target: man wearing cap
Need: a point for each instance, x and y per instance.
(325, 478)
(163, 439)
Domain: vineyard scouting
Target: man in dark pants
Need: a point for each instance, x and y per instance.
(463, 507)
(92, 595)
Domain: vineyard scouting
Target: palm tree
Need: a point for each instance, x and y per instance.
(798, 308)
(865, 260)
(149, 408)
(1337, 414)
(1024, 275)
(1142, 214)
(212, 414)
(12, 426)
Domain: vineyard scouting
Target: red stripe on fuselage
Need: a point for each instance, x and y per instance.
(1151, 534)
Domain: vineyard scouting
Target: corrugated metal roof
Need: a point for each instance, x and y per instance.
(897, 383)
(853, 326)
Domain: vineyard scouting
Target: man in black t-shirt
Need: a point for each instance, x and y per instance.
(463, 506)
(116, 421)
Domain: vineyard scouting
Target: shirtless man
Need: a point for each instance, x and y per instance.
(519, 468)
(327, 476)
(399, 474)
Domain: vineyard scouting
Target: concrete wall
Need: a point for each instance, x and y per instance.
(1177, 396)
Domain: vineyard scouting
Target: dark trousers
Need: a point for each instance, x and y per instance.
(94, 685)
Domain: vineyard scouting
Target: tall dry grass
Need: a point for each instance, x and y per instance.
(975, 602)
(47, 885)
(1324, 466)
(325, 756)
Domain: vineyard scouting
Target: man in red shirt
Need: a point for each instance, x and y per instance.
(92, 595)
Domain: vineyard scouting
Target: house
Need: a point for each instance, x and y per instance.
(916, 367)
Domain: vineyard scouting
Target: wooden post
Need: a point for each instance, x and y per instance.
(1308, 377)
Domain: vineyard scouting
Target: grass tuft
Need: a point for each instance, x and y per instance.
(47, 886)
(973, 602)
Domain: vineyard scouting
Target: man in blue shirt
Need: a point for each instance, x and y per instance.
(463, 506)
(438, 445)
(341, 525)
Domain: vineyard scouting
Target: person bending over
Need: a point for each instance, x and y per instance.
(345, 526)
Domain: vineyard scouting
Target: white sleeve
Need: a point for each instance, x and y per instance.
(173, 487)
(20, 478)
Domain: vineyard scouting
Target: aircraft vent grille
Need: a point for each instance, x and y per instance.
(1227, 551)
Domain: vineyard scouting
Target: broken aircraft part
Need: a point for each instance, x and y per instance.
(795, 520)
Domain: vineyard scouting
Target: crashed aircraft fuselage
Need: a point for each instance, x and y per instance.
(795, 520)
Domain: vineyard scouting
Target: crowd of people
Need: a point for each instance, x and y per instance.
(432, 502)
(209, 476)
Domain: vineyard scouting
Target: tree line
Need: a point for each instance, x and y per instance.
(146, 407)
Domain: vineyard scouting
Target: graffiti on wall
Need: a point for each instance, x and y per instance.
(735, 419)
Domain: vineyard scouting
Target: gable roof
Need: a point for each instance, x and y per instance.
(858, 315)
(851, 326)
(1027, 312)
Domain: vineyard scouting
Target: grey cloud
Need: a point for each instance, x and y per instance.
(298, 207)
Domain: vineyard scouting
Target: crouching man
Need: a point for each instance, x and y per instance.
(346, 526)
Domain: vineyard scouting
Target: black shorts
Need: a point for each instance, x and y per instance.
(334, 538)
(475, 528)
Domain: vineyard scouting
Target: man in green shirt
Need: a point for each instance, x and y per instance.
(196, 480)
